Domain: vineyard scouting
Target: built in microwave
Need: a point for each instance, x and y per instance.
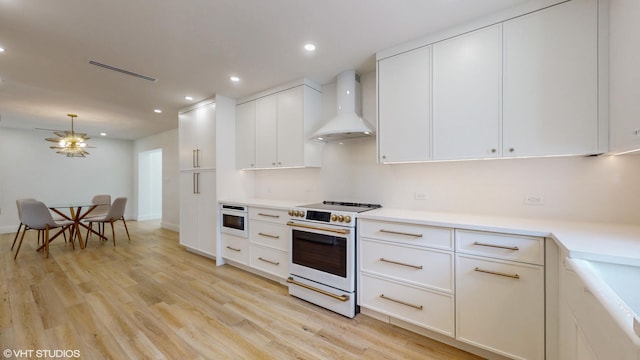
(233, 220)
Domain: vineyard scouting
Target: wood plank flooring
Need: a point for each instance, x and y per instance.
(152, 299)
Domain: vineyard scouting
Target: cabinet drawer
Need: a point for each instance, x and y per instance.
(406, 233)
(269, 260)
(422, 267)
(270, 215)
(424, 308)
(235, 248)
(502, 246)
(270, 234)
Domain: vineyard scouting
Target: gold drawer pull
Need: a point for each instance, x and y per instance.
(269, 261)
(342, 298)
(400, 233)
(419, 307)
(514, 248)
(234, 249)
(419, 267)
(269, 215)
(269, 235)
(513, 276)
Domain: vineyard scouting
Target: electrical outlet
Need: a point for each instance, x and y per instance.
(636, 132)
(419, 196)
(533, 200)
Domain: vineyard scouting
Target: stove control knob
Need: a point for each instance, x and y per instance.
(291, 212)
(334, 217)
(301, 214)
(340, 218)
(347, 219)
(296, 213)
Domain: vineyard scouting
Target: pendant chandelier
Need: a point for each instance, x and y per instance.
(70, 143)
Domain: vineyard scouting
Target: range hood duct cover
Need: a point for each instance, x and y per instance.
(347, 123)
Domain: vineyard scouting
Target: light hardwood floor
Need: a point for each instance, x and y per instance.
(152, 299)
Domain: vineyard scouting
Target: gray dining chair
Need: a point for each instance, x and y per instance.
(18, 205)
(116, 212)
(36, 216)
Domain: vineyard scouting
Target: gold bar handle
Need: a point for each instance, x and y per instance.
(342, 298)
(269, 235)
(419, 307)
(338, 231)
(234, 249)
(269, 215)
(419, 267)
(269, 261)
(513, 276)
(400, 233)
(514, 248)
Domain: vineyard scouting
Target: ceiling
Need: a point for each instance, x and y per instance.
(191, 47)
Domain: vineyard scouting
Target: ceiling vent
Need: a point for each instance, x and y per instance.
(123, 71)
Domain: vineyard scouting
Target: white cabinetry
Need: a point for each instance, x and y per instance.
(551, 81)
(198, 211)
(270, 239)
(500, 303)
(246, 135)
(197, 139)
(274, 128)
(404, 106)
(467, 95)
(406, 271)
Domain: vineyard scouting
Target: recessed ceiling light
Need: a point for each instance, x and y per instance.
(157, 111)
(234, 78)
(188, 98)
(1, 49)
(309, 47)
(103, 134)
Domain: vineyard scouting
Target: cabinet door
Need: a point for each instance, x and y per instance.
(246, 135)
(550, 81)
(188, 139)
(266, 131)
(497, 311)
(467, 95)
(188, 210)
(206, 213)
(404, 106)
(291, 138)
(206, 150)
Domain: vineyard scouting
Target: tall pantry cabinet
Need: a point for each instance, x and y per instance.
(197, 160)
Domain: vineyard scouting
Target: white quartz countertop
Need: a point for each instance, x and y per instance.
(270, 203)
(591, 241)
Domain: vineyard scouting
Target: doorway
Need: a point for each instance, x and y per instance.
(150, 185)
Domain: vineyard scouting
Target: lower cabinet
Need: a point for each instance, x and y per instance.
(488, 290)
(198, 211)
(235, 248)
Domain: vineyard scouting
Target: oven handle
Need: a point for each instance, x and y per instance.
(338, 231)
(342, 298)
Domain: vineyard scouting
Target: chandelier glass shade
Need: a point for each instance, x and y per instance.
(70, 143)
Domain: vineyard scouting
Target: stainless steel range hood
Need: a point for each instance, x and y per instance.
(347, 123)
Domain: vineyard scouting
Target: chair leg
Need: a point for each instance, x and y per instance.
(16, 237)
(19, 244)
(126, 229)
(46, 240)
(86, 238)
(113, 233)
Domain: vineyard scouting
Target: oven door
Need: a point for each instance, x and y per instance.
(324, 254)
(234, 223)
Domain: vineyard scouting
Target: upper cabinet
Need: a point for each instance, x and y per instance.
(551, 81)
(197, 129)
(273, 129)
(404, 106)
(528, 86)
(467, 95)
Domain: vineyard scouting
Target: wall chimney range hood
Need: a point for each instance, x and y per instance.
(348, 123)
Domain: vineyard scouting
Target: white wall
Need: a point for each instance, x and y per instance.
(603, 188)
(149, 185)
(168, 142)
(28, 168)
